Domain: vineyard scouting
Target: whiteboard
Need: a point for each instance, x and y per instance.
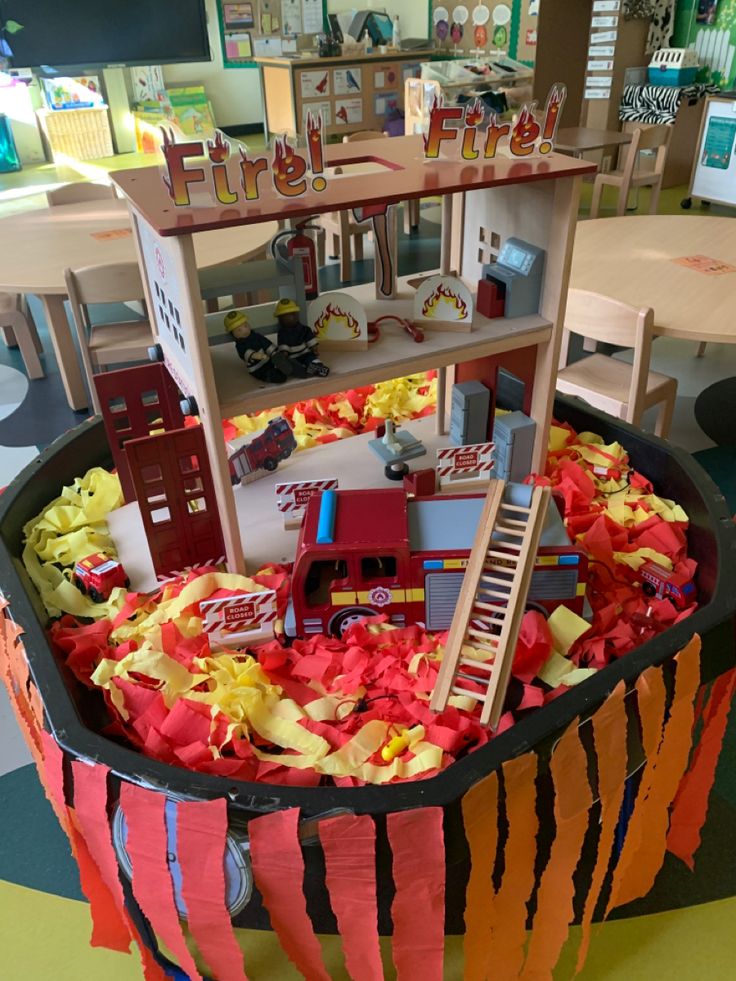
(714, 175)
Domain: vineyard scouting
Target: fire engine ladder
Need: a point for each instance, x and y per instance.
(492, 599)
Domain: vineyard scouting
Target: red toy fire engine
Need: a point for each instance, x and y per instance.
(376, 551)
(264, 452)
(97, 575)
(660, 582)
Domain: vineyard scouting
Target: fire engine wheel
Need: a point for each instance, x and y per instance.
(270, 464)
(341, 622)
(80, 586)
(648, 589)
(94, 595)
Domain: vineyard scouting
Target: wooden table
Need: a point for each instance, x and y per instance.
(577, 140)
(39, 245)
(630, 259)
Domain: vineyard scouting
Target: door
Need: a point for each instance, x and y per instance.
(135, 402)
(173, 484)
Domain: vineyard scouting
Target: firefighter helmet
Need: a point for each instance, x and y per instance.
(234, 319)
(285, 306)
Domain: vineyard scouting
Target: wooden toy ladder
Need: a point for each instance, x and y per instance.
(492, 602)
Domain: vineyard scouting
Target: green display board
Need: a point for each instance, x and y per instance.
(265, 27)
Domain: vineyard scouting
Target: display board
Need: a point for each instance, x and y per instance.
(482, 26)
(263, 28)
(714, 170)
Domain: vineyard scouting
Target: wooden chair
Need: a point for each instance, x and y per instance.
(17, 327)
(107, 344)
(651, 138)
(620, 389)
(78, 192)
(341, 227)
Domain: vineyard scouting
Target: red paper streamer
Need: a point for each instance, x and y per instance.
(349, 846)
(418, 910)
(147, 847)
(278, 868)
(201, 827)
(691, 802)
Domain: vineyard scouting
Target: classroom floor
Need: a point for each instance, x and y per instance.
(683, 929)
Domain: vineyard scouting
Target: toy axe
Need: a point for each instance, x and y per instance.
(378, 213)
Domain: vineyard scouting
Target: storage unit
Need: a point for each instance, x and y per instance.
(513, 435)
(469, 410)
(83, 134)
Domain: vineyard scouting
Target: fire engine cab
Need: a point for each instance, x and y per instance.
(665, 584)
(262, 451)
(97, 576)
(363, 552)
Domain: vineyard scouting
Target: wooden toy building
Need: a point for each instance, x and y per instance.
(485, 202)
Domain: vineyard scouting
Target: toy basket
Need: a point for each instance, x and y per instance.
(673, 66)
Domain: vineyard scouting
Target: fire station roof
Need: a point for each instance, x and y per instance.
(371, 517)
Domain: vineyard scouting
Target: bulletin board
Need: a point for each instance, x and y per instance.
(259, 28)
(486, 25)
(714, 170)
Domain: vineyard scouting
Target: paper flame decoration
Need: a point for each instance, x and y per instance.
(314, 142)
(458, 309)
(474, 113)
(333, 315)
(435, 111)
(283, 155)
(219, 148)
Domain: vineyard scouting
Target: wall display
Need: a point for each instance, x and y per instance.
(264, 28)
(598, 93)
(348, 111)
(323, 109)
(238, 46)
(312, 16)
(385, 103)
(603, 6)
(601, 51)
(604, 21)
(291, 16)
(600, 66)
(603, 37)
(714, 173)
(706, 12)
(347, 81)
(148, 83)
(599, 81)
(238, 14)
(314, 84)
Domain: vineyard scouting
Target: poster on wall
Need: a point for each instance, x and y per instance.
(385, 103)
(312, 16)
(314, 84)
(238, 46)
(707, 12)
(291, 16)
(148, 83)
(238, 14)
(604, 22)
(347, 81)
(324, 109)
(348, 111)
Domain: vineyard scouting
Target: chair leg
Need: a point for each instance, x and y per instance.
(358, 240)
(407, 217)
(346, 266)
(321, 247)
(595, 201)
(335, 238)
(26, 311)
(654, 199)
(664, 416)
(9, 338)
(623, 200)
(701, 349)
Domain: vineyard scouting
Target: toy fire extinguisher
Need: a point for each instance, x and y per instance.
(300, 246)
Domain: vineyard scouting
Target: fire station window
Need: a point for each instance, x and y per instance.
(160, 516)
(151, 473)
(189, 464)
(150, 398)
(121, 424)
(378, 567)
(193, 485)
(322, 574)
(117, 404)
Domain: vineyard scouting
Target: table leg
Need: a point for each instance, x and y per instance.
(66, 353)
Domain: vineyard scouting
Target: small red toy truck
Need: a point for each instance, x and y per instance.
(406, 558)
(97, 575)
(262, 452)
(660, 582)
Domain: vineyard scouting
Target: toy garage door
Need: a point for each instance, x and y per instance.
(135, 402)
(173, 485)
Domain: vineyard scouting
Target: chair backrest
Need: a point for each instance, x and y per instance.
(656, 138)
(115, 282)
(364, 134)
(606, 320)
(78, 192)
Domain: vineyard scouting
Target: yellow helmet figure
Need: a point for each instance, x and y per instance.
(235, 318)
(285, 306)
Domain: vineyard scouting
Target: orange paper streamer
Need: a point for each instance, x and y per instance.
(201, 827)
(609, 735)
(9, 634)
(506, 954)
(349, 846)
(147, 846)
(480, 817)
(691, 802)
(418, 910)
(573, 800)
(278, 868)
(638, 875)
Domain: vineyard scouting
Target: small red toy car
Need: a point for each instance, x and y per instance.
(97, 575)
(660, 582)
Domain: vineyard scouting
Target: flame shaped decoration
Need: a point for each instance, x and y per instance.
(457, 308)
(437, 103)
(554, 104)
(167, 143)
(525, 131)
(283, 154)
(474, 113)
(333, 315)
(314, 141)
(219, 148)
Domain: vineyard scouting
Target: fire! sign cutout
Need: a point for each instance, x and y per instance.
(291, 174)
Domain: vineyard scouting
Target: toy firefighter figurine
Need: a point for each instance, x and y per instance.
(262, 358)
(298, 341)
